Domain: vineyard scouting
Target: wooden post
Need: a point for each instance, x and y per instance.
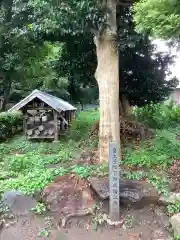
(72, 115)
(25, 125)
(114, 203)
(56, 133)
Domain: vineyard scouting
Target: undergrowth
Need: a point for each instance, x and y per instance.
(158, 152)
(30, 166)
(159, 115)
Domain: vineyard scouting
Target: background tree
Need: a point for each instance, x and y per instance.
(161, 19)
(78, 63)
(143, 72)
(26, 62)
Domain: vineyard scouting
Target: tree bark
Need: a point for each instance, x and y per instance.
(107, 76)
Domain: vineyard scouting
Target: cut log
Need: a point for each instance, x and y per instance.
(37, 132)
(51, 131)
(29, 132)
(51, 123)
(37, 119)
(41, 128)
(30, 120)
(44, 118)
(45, 133)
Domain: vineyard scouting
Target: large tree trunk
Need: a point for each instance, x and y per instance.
(107, 75)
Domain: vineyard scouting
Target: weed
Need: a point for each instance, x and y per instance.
(98, 217)
(101, 170)
(138, 175)
(32, 181)
(40, 209)
(44, 232)
(173, 208)
(129, 221)
(160, 182)
(82, 171)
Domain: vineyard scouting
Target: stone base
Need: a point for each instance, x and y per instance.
(129, 191)
(68, 196)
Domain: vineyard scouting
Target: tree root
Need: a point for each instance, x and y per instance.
(81, 213)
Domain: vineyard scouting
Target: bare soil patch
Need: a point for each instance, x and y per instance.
(139, 224)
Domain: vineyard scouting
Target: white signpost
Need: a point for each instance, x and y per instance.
(114, 201)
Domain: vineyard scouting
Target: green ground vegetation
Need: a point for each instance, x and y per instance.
(30, 166)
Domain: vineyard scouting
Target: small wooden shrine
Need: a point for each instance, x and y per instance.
(45, 116)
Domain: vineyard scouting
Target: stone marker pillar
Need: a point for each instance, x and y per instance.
(114, 204)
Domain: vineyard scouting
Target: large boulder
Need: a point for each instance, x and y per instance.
(18, 203)
(129, 191)
(68, 196)
(175, 222)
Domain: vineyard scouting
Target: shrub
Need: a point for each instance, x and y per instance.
(10, 124)
(159, 115)
(157, 152)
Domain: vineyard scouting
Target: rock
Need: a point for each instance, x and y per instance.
(68, 196)
(175, 222)
(130, 191)
(172, 198)
(18, 203)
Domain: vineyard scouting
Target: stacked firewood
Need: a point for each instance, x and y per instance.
(129, 130)
(40, 123)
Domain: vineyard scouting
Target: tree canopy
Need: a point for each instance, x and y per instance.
(160, 19)
(142, 72)
(26, 61)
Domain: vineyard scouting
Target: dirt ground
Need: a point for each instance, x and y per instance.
(139, 224)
